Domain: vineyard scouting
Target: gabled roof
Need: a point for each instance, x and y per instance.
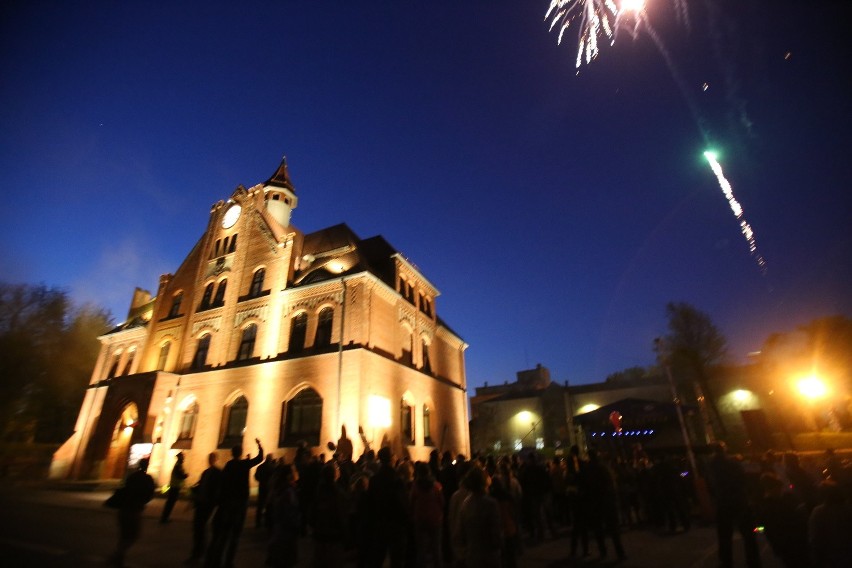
(281, 177)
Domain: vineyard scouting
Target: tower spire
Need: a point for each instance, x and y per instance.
(281, 177)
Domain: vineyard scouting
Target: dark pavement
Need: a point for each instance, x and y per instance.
(54, 528)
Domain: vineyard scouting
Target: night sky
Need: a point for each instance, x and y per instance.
(557, 213)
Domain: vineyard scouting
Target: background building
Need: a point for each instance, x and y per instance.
(266, 332)
(757, 410)
(534, 412)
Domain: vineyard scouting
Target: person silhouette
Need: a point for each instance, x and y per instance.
(233, 501)
(137, 491)
(175, 485)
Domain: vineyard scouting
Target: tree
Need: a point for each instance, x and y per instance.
(631, 374)
(692, 346)
(47, 350)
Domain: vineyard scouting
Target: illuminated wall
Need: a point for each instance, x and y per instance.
(371, 343)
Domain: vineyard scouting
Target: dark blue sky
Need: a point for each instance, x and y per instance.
(557, 213)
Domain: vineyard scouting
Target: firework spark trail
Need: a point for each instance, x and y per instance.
(737, 209)
(745, 228)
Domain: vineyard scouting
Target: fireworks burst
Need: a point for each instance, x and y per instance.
(597, 20)
(600, 20)
(592, 16)
(737, 209)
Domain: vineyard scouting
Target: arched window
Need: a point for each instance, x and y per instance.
(174, 311)
(219, 300)
(247, 343)
(234, 423)
(324, 321)
(164, 356)
(427, 425)
(406, 422)
(127, 365)
(200, 359)
(113, 369)
(301, 419)
(427, 364)
(187, 425)
(207, 298)
(257, 282)
(407, 347)
(298, 331)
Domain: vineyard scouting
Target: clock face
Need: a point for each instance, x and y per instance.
(231, 216)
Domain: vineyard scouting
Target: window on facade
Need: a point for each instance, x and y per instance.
(498, 445)
(301, 419)
(324, 321)
(298, 332)
(164, 356)
(234, 423)
(187, 422)
(113, 369)
(216, 250)
(406, 422)
(176, 301)
(200, 359)
(233, 246)
(407, 348)
(518, 445)
(427, 425)
(207, 298)
(539, 443)
(427, 364)
(219, 300)
(127, 365)
(257, 282)
(247, 343)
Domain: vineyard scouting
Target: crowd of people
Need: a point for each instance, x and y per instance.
(484, 511)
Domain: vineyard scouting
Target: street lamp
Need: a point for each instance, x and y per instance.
(812, 387)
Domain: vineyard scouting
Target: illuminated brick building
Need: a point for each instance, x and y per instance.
(266, 332)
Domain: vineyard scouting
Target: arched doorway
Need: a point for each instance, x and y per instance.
(115, 463)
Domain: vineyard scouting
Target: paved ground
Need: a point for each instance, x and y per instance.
(71, 528)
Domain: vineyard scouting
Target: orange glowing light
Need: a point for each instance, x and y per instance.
(812, 387)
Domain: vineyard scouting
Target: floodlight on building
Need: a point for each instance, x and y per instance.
(812, 387)
(742, 396)
(378, 411)
(587, 408)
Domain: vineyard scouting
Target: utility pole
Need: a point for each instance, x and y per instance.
(700, 484)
